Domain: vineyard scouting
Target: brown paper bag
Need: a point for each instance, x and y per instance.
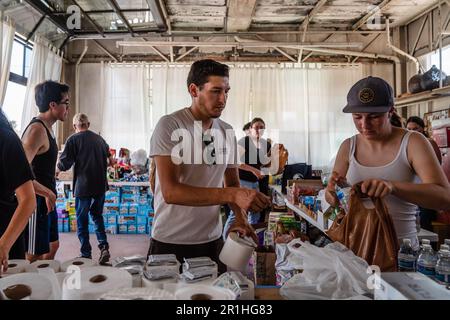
(264, 268)
(369, 233)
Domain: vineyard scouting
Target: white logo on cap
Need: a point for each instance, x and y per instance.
(366, 95)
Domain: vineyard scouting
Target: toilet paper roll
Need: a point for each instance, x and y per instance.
(203, 292)
(42, 264)
(26, 286)
(61, 276)
(138, 294)
(16, 266)
(136, 280)
(236, 252)
(92, 282)
(157, 284)
(79, 262)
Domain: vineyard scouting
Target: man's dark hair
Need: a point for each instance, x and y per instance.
(201, 70)
(417, 120)
(246, 126)
(255, 120)
(49, 91)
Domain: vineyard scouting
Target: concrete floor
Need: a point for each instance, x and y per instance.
(120, 245)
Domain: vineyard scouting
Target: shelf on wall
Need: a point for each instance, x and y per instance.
(423, 96)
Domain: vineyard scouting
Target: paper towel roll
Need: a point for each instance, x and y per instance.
(42, 264)
(202, 292)
(92, 282)
(22, 286)
(138, 294)
(16, 266)
(136, 280)
(157, 284)
(79, 262)
(236, 252)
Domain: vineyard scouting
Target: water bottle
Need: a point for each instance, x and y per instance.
(426, 263)
(423, 241)
(443, 267)
(443, 247)
(406, 257)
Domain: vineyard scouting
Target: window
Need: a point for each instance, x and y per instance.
(15, 91)
(434, 59)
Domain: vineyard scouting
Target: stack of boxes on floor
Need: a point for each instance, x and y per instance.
(127, 210)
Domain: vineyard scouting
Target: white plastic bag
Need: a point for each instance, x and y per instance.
(331, 272)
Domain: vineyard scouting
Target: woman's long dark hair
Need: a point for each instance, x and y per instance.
(4, 123)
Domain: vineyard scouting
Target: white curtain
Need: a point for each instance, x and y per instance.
(46, 64)
(328, 126)
(126, 106)
(238, 109)
(302, 107)
(169, 90)
(7, 39)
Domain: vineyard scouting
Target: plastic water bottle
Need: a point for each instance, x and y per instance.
(443, 267)
(426, 263)
(423, 241)
(406, 257)
(443, 247)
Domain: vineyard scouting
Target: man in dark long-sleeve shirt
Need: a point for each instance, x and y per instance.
(89, 154)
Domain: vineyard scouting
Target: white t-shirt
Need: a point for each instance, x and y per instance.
(178, 224)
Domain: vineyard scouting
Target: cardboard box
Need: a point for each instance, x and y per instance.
(409, 286)
(264, 267)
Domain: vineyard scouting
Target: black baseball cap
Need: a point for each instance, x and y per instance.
(371, 95)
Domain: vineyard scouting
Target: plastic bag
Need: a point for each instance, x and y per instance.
(331, 272)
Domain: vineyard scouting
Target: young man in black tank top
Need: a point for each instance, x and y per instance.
(39, 142)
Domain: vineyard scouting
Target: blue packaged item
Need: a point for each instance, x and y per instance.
(132, 229)
(124, 208)
(133, 209)
(141, 219)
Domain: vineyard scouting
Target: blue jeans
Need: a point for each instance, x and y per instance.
(253, 217)
(94, 206)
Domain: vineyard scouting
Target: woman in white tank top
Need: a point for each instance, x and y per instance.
(387, 159)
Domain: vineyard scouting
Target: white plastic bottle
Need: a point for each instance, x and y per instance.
(443, 267)
(426, 263)
(406, 257)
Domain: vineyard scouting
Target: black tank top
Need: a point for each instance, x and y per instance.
(44, 165)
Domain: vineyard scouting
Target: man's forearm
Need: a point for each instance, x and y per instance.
(187, 195)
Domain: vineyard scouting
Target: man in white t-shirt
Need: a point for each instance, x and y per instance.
(196, 172)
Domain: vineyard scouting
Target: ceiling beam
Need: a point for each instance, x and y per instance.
(105, 50)
(117, 10)
(240, 13)
(246, 43)
(31, 34)
(312, 13)
(60, 22)
(92, 22)
(370, 14)
(367, 46)
(157, 10)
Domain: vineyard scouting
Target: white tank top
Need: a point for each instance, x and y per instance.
(403, 213)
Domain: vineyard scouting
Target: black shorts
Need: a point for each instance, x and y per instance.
(17, 251)
(42, 229)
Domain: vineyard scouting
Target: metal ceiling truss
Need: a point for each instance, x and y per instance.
(117, 10)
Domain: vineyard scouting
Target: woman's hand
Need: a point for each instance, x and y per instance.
(377, 188)
(330, 191)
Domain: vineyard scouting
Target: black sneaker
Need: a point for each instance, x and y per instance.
(104, 256)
